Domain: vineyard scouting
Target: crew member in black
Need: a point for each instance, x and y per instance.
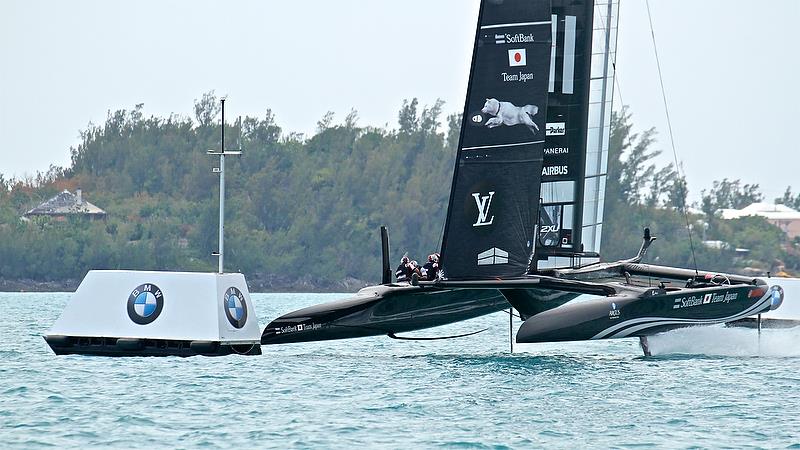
(403, 272)
(431, 268)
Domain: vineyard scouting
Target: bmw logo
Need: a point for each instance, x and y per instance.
(235, 307)
(145, 303)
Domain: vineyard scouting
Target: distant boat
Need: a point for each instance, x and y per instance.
(525, 214)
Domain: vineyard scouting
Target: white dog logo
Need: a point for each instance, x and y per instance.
(505, 113)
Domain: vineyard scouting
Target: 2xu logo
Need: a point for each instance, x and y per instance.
(145, 303)
(484, 203)
(235, 307)
(549, 229)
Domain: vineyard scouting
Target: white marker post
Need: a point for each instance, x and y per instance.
(220, 253)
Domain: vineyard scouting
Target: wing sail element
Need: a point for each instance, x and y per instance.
(578, 129)
(493, 206)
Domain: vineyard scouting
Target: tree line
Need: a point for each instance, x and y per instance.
(310, 207)
(640, 194)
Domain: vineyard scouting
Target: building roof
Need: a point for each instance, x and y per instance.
(770, 211)
(66, 203)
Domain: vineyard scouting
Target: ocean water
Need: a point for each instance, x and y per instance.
(705, 387)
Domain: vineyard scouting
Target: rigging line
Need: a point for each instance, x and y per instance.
(616, 82)
(671, 137)
(614, 61)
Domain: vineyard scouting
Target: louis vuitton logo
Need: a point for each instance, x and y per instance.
(484, 203)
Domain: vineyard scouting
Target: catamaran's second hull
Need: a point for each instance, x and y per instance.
(383, 310)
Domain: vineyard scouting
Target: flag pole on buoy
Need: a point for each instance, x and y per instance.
(220, 253)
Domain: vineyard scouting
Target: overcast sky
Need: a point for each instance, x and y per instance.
(730, 69)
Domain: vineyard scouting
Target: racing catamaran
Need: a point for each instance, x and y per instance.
(525, 214)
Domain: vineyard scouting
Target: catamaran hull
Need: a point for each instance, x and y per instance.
(383, 310)
(623, 316)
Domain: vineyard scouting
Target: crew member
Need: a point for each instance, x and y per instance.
(404, 270)
(431, 268)
(416, 268)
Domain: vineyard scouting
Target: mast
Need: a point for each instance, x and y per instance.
(220, 253)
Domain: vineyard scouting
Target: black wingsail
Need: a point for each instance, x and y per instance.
(576, 142)
(494, 198)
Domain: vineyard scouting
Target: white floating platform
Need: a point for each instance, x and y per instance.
(136, 313)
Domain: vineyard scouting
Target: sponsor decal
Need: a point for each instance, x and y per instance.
(483, 202)
(706, 299)
(549, 229)
(477, 119)
(614, 312)
(517, 57)
(517, 77)
(235, 307)
(555, 170)
(145, 303)
(567, 237)
(557, 151)
(518, 38)
(506, 113)
(299, 327)
(555, 129)
(493, 256)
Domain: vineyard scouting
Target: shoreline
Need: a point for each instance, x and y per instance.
(257, 284)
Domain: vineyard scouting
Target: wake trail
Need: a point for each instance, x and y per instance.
(722, 341)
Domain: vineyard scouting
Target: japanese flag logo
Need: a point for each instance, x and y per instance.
(517, 57)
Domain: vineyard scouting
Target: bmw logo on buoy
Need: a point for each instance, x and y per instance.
(145, 303)
(235, 307)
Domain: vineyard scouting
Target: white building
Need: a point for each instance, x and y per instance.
(66, 204)
(785, 218)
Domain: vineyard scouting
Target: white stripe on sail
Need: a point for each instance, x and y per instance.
(501, 145)
(551, 87)
(568, 76)
(518, 24)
